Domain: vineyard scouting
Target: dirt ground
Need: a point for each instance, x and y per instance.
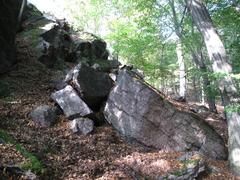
(101, 155)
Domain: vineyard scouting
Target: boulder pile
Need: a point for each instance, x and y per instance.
(82, 92)
(96, 89)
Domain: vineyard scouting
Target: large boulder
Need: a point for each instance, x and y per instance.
(71, 104)
(139, 112)
(9, 11)
(92, 85)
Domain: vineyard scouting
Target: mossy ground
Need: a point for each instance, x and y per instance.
(32, 162)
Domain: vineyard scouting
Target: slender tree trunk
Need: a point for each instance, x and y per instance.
(218, 56)
(23, 5)
(210, 98)
(202, 92)
(194, 95)
(182, 74)
(199, 61)
(179, 51)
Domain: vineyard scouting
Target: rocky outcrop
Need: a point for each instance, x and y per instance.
(9, 11)
(55, 43)
(139, 112)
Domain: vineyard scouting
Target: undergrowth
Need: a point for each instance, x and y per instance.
(34, 164)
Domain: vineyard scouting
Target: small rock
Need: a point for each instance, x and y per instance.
(192, 170)
(82, 125)
(44, 115)
(29, 175)
(113, 76)
(71, 104)
(96, 66)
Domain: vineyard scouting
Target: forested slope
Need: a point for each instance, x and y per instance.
(70, 110)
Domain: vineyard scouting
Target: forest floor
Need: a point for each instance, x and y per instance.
(101, 155)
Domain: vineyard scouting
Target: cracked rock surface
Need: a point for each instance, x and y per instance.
(139, 112)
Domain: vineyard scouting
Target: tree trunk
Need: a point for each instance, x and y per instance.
(195, 90)
(199, 61)
(23, 5)
(210, 98)
(179, 51)
(218, 56)
(202, 93)
(182, 74)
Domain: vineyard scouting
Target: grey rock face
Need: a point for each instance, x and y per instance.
(139, 112)
(93, 86)
(82, 125)
(71, 104)
(44, 115)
